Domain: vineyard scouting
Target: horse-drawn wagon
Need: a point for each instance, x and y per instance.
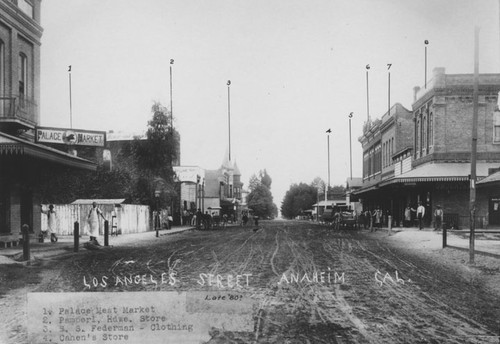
(340, 218)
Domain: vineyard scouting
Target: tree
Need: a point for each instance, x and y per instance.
(265, 179)
(253, 183)
(154, 157)
(298, 198)
(139, 168)
(320, 184)
(260, 199)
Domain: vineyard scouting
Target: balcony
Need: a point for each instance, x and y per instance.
(17, 113)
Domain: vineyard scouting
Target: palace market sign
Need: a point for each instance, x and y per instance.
(76, 137)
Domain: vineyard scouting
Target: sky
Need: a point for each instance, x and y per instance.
(297, 68)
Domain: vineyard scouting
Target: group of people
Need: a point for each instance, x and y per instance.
(377, 217)
(420, 214)
(209, 220)
(92, 219)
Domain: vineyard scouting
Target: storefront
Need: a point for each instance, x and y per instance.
(490, 186)
(444, 184)
(22, 165)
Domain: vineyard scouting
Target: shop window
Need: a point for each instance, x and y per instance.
(496, 126)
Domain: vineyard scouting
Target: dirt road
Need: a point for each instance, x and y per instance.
(311, 284)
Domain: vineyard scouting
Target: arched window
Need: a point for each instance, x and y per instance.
(431, 130)
(423, 123)
(417, 139)
(23, 77)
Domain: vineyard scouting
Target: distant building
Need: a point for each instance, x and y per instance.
(192, 181)
(224, 189)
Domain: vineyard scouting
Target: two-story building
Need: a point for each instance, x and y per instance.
(224, 189)
(435, 169)
(23, 163)
(384, 141)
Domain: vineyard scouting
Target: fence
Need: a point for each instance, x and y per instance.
(129, 218)
(455, 221)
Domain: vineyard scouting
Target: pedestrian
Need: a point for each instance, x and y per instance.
(245, 219)
(438, 218)
(51, 223)
(190, 218)
(207, 220)
(256, 220)
(407, 221)
(93, 221)
(362, 218)
(224, 220)
(420, 215)
(377, 218)
(366, 220)
(198, 218)
(185, 217)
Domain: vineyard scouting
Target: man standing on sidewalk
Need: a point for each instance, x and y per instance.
(420, 215)
(438, 218)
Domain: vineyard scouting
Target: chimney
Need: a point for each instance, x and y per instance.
(416, 89)
(438, 71)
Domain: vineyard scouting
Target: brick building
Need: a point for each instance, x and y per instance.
(434, 169)
(385, 143)
(22, 161)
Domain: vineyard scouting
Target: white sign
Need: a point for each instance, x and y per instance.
(71, 136)
(189, 173)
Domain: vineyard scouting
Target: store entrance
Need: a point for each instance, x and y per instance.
(494, 211)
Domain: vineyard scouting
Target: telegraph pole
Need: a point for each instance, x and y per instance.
(426, 42)
(70, 106)
(474, 148)
(367, 95)
(328, 150)
(350, 147)
(229, 115)
(171, 104)
(389, 88)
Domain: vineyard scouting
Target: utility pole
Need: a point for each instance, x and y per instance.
(171, 104)
(70, 105)
(426, 42)
(474, 148)
(350, 147)
(229, 115)
(328, 150)
(367, 96)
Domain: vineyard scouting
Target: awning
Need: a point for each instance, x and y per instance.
(434, 172)
(441, 172)
(14, 146)
(493, 178)
(330, 203)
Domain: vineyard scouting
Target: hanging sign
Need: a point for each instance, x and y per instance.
(75, 137)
